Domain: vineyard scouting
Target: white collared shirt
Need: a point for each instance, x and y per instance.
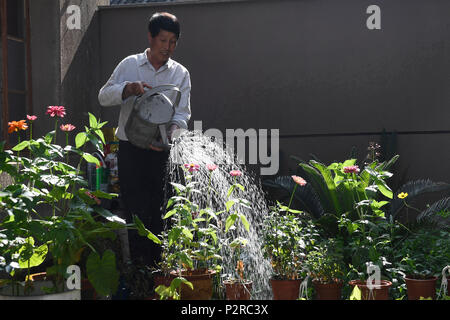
(138, 68)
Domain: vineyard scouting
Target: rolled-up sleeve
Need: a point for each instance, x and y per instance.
(111, 93)
(183, 111)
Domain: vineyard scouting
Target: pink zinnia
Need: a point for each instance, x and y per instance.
(31, 118)
(67, 127)
(236, 173)
(299, 180)
(351, 169)
(192, 167)
(211, 167)
(58, 111)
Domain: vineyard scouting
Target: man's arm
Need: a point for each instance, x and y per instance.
(183, 111)
(117, 89)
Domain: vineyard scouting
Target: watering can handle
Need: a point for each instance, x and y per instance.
(162, 88)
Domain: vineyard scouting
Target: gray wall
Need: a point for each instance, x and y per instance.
(311, 69)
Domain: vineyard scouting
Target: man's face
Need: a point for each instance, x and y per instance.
(162, 46)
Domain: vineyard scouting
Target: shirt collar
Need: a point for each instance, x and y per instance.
(143, 60)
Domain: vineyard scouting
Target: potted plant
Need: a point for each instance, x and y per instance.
(421, 257)
(50, 216)
(326, 268)
(193, 246)
(237, 286)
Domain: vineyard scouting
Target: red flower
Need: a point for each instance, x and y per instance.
(299, 180)
(211, 167)
(67, 127)
(192, 167)
(236, 173)
(58, 111)
(31, 118)
(351, 169)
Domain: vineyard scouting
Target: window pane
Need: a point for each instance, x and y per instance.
(15, 18)
(17, 111)
(16, 65)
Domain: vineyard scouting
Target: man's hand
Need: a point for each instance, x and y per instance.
(171, 130)
(134, 89)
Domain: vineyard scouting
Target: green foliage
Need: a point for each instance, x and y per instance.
(325, 262)
(287, 240)
(46, 181)
(424, 253)
(102, 272)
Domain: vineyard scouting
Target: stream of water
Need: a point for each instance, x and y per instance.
(196, 148)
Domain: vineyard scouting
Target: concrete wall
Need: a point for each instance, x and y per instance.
(311, 69)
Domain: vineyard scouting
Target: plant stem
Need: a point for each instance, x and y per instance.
(292, 196)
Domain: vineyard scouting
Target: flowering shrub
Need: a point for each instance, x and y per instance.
(49, 214)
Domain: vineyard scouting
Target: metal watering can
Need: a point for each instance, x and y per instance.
(150, 117)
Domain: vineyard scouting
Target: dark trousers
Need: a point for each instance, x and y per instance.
(142, 178)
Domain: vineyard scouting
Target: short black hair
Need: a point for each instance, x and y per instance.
(164, 21)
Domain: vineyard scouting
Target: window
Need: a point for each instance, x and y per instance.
(15, 64)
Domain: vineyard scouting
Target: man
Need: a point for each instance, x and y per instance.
(142, 171)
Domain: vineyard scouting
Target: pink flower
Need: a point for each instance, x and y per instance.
(192, 167)
(351, 169)
(58, 111)
(31, 118)
(299, 180)
(67, 127)
(211, 167)
(236, 173)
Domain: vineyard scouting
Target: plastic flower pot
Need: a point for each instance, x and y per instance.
(238, 290)
(328, 291)
(378, 293)
(285, 289)
(202, 281)
(417, 288)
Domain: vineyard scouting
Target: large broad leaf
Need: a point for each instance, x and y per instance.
(413, 189)
(102, 272)
(314, 177)
(329, 180)
(30, 256)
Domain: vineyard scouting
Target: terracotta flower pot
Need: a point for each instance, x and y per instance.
(420, 287)
(285, 289)
(380, 293)
(328, 291)
(87, 290)
(202, 281)
(160, 279)
(237, 290)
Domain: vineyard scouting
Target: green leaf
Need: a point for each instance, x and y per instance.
(101, 135)
(144, 232)
(22, 145)
(91, 159)
(245, 223)
(229, 204)
(80, 140)
(93, 123)
(102, 272)
(37, 258)
(356, 294)
(384, 189)
(230, 221)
